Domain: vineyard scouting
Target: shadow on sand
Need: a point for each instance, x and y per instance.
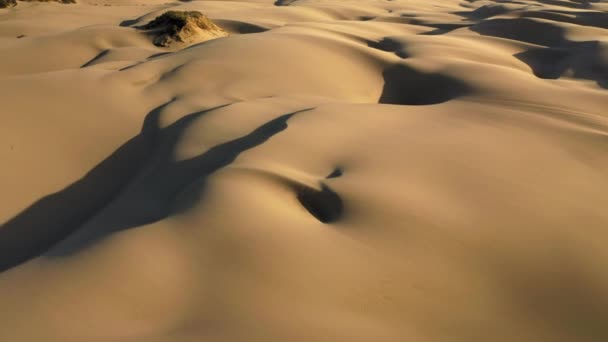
(404, 85)
(134, 186)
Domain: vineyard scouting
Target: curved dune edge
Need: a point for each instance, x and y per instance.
(333, 170)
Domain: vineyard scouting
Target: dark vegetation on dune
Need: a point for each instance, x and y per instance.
(7, 3)
(175, 21)
(177, 26)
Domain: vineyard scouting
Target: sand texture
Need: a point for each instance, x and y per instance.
(304, 170)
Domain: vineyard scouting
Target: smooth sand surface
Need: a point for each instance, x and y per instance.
(332, 170)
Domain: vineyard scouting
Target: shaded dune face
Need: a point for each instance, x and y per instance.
(325, 205)
(485, 12)
(406, 86)
(56, 223)
(584, 60)
(390, 45)
(525, 30)
(331, 170)
(592, 19)
(284, 2)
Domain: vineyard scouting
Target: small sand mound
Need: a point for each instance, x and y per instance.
(7, 3)
(183, 27)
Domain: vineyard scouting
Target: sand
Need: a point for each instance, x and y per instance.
(322, 170)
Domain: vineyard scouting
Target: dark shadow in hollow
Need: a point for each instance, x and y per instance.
(578, 4)
(523, 30)
(96, 58)
(558, 56)
(240, 27)
(484, 12)
(158, 55)
(584, 18)
(131, 22)
(367, 18)
(134, 186)
(404, 85)
(325, 205)
(442, 29)
(284, 2)
(583, 60)
(389, 44)
(337, 172)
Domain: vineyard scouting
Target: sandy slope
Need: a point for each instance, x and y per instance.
(334, 170)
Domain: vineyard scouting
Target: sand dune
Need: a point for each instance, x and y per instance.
(304, 170)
